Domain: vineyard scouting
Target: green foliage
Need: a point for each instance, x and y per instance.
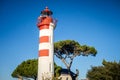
(109, 71)
(57, 70)
(27, 69)
(71, 47)
(67, 46)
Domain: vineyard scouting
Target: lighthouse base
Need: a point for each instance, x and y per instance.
(45, 71)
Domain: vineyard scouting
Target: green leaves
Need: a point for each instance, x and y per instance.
(27, 69)
(57, 70)
(87, 50)
(109, 71)
(71, 47)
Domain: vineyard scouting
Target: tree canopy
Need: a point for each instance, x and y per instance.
(26, 69)
(29, 69)
(69, 49)
(109, 71)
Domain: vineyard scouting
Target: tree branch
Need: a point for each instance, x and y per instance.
(62, 58)
(58, 55)
(71, 60)
(66, 64)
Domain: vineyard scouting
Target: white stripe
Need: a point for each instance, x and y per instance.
(44, 46)
(44, 32)
(52, 25)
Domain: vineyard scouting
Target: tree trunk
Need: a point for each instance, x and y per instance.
(68, 65)
(63, 60)
(20, 78)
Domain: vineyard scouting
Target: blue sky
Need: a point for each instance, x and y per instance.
(91, 22)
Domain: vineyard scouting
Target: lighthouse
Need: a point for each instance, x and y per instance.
(46, 25)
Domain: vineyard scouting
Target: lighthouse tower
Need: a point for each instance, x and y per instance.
(46, 27)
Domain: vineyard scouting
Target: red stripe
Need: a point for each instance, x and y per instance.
(44, 39)
(44, 27)
(44, 52)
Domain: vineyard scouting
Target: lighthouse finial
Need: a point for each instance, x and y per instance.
(46, 7)
(46, 11)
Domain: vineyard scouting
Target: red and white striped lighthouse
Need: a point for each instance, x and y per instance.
(46, 27)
